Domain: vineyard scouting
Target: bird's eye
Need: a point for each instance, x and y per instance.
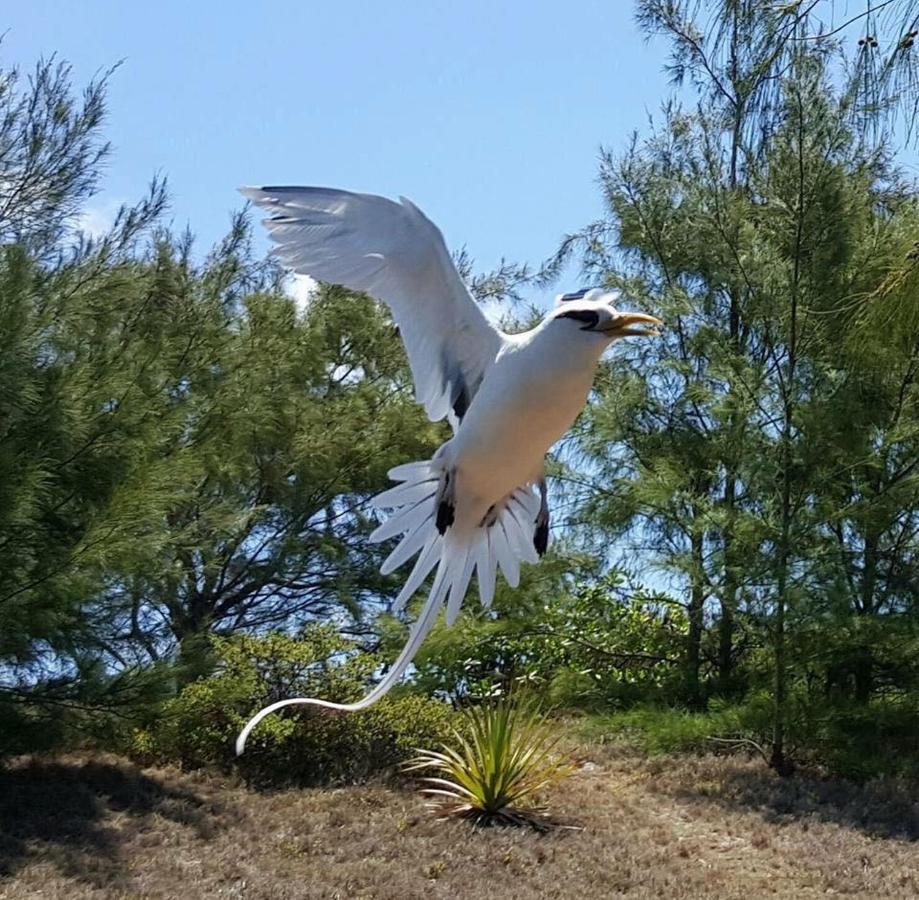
(588, 316)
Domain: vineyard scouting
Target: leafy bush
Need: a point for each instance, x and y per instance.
(658, 729)
(593, 647)
(867, 740)
(493, 771)
(301, 746)
(857, 741)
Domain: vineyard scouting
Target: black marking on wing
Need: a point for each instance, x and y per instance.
(461, 404)
(445, 513)
(445, 508)
(541, 537)
(461, 392)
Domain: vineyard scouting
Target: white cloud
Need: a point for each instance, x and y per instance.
(496, 310)
(96, 221)
(300, 288)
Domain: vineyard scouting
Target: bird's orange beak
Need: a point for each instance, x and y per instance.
(634, 325)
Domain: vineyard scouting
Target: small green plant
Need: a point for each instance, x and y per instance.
(498, 763)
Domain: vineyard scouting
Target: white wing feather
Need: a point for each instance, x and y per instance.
(393, 252)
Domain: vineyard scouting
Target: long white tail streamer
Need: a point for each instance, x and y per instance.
(504, 543)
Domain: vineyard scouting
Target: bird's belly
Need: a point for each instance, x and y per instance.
(504, 438)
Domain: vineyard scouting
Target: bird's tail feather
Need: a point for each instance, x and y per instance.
(504, 543)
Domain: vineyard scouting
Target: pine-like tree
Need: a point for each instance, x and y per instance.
(754, 223)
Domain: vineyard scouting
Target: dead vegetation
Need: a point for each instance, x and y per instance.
(691, 827)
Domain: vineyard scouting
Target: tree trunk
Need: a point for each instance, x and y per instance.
(779, 760)
(726, 645)
(729, 586)
(863, 671)
(194, 658)
(728, 598)
(694, 637)
(863, 661)
(788, 387)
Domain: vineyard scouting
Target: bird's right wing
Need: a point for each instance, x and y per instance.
(393, 252)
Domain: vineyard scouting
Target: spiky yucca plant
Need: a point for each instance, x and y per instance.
(492, 772)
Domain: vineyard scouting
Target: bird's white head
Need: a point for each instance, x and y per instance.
(593, 312)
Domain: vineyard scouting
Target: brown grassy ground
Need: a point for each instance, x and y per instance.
(724, 827)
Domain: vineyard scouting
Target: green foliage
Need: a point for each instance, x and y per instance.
(860, 741)
(662, 729)
(183, 451)
(866, 740)
(763, 452)
(270, 458)
(51, 153)
(303, 746)
(594, 645)
(494, 769)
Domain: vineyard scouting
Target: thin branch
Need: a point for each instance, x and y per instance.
(846, 24)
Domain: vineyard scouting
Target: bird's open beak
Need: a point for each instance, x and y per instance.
(634, 325)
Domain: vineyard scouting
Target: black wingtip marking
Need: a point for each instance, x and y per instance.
(461, 404)
(444, 516)
(445, 509)
(541, 538)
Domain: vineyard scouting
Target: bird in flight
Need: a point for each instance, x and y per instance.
(479, 504)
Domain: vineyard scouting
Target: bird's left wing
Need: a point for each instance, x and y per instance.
(393, 252)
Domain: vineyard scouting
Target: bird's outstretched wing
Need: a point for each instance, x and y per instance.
(393, 252)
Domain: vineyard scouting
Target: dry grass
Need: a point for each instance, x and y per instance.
(675, 828)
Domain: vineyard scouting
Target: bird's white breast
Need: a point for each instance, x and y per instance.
(528, 400)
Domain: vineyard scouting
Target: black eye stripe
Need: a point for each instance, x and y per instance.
(582, 315)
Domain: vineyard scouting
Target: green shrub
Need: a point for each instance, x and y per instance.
(597, 646)
(867, 740)
(659, 729)
(852, 740)
(302, 745)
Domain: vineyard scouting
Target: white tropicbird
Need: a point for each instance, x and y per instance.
(509, 397)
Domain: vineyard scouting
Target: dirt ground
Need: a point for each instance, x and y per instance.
(685, 827)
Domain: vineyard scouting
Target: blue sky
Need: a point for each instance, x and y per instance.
(488, 115)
